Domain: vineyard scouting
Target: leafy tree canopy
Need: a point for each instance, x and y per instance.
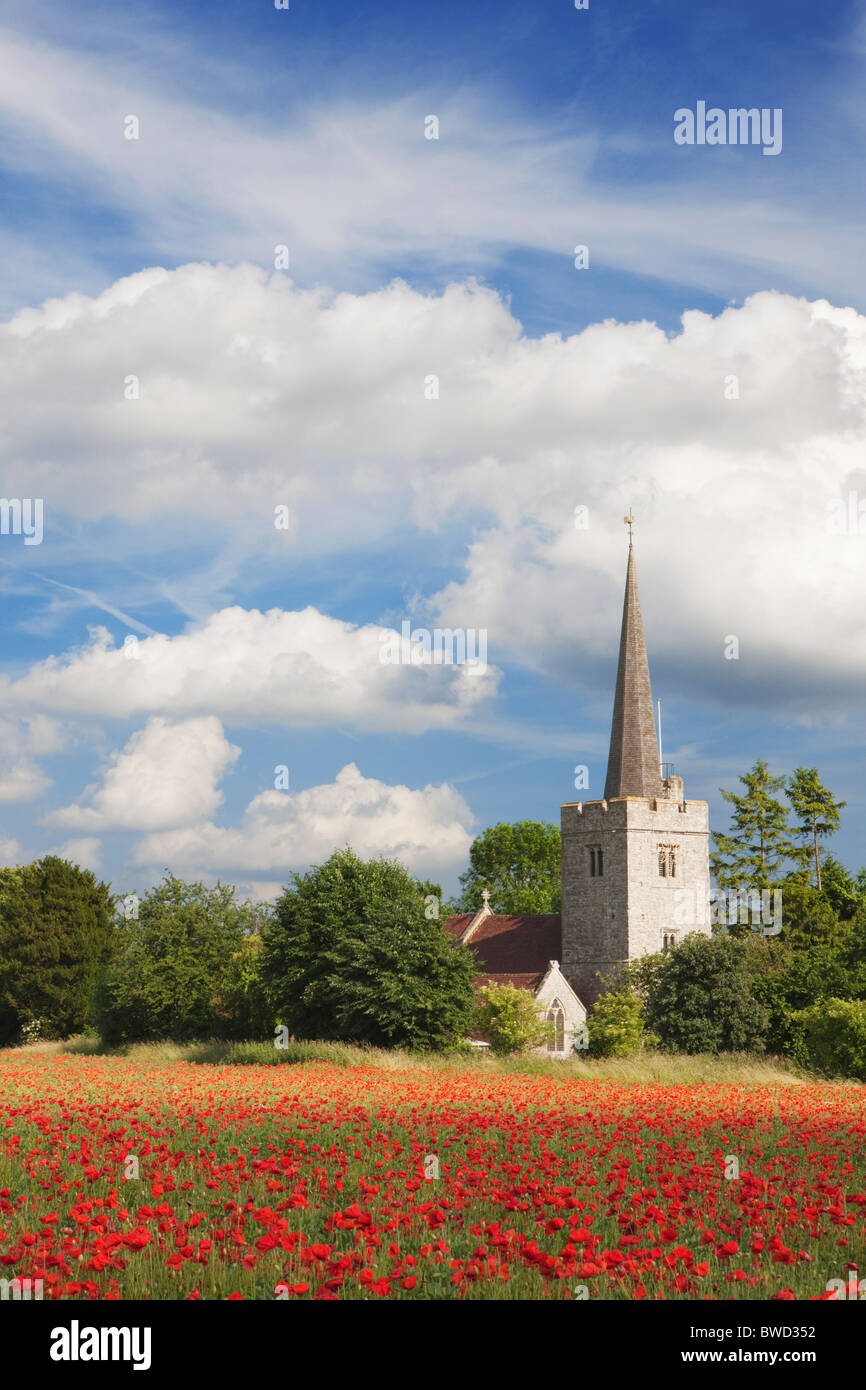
(702, 998)
(510, 1020)
(175, 962)
(808, 918)
(520, 864)
(351, 954)
(844, 892)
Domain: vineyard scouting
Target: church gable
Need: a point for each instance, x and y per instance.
(524, 951)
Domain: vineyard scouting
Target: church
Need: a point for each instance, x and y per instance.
(624, 858)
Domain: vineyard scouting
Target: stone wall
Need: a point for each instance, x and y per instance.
(629, 909)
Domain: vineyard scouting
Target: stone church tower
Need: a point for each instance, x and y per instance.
(627, 859)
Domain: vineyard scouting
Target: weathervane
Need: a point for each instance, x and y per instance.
(629, 521)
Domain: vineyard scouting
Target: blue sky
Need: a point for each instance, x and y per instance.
(410, 258)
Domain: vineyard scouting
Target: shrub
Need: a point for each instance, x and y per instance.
(702, 998)
(509, 1019)
(616, 1025)
(835, 1036)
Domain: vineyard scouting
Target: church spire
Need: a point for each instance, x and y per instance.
(633, 761)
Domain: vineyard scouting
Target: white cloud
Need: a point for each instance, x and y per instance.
(166, 776)
(428, 830)
(22, 779)
(350, 183)
(10, 851)
(245, 667)
(85, 851)
(494, 179)
(731, 493)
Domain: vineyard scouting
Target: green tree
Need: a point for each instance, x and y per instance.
(816, 812)
(853, 953)
(350, 954)
(808, 918)
(842, 890)
(702, 999)
(616, 1024)
(175, 963)
(509, 1019)
(56, 937)
(759, 839)
(240, 1002)
(835, 1036)
(787, 981)
(520, 864)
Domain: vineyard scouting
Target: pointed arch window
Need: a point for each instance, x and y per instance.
(596, 862)
(668, 861)
(556, 1018)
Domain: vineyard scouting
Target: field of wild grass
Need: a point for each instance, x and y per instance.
(170, 1172)
(646, 1066)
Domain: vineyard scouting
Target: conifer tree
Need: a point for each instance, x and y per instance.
(816, 812)
(56, 937)
(759, 840)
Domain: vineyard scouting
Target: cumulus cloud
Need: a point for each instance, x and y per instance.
(731, 439)
(245, 667)
(166, 776)
(21, 778)
(428, 829)
(85, 851)
(252, 394)
(10, 851)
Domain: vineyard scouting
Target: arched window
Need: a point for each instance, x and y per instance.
(672, 863)
(662, 863)
(556, 1017)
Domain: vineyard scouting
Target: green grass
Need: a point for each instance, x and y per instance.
(663, 1068)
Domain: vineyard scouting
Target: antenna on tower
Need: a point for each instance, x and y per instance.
(661, 764)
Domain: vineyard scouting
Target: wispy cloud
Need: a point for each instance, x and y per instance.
(351, 185)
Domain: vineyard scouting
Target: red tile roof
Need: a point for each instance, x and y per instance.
(516, 949)
(522, 981)
(456, 926)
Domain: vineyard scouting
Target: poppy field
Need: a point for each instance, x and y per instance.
(316, 1181)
